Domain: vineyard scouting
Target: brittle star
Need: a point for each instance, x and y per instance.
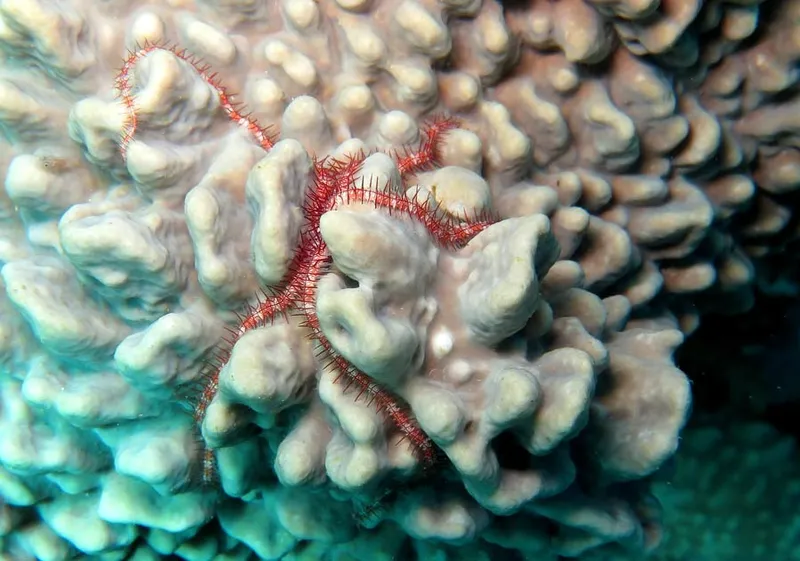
(333, 184)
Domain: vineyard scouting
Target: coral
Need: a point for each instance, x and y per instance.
(639, 157)
(732, 494)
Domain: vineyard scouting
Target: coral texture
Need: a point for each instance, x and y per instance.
(641, 158)
(748, 486)
(732, 495)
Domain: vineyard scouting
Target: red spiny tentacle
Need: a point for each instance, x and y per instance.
(335, 177)
(446, 232)
(209, 472)
(428, 154)
(233, 110)
(401, 417)
(265, 312)
(257, 315)
(211, 383)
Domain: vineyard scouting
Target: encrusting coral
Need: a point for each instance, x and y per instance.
(537, 358)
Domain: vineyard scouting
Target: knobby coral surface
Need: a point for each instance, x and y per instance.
(641, 158)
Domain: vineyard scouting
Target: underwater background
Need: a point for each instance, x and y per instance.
(356, 280)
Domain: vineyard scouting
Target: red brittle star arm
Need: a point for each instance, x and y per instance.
(428, 154)
(396, 411)
(233, 110)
